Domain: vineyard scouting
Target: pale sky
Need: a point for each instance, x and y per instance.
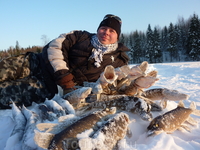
(26, 21)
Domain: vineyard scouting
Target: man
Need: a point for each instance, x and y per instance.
(66, 61)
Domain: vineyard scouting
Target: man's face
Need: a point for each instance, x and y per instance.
(107, 35)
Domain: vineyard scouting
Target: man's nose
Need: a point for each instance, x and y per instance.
(106, 31)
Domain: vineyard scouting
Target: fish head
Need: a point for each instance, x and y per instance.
(84, 92)
(108, 76)
(155, 127)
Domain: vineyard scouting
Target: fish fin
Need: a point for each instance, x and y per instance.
(129, 133)
(47, 127)
(181, 104)
(163, 103)
(60, 91)
(83, 109)
(184, 127)
(191, 121)
(196, 112)
(193, 106)
(43, 139)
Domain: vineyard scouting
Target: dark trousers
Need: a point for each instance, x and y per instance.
(21, 81)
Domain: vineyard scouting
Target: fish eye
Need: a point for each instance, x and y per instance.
(155, 125)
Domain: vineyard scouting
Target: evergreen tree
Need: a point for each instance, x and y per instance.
(131, 46)
(194, 39)
(121, 38)
(182, 44)
(156, 54)
(172, 40)
(149, 44)
(164, 43)
(17, 48)
(143, 45)
(137, 50)
(177, 43)
(173, 46)
(183, 28)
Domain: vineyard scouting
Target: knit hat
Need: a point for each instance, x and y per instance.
(113, 22)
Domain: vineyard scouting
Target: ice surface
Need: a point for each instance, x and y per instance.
(183, 76)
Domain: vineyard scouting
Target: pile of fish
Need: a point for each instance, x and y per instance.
(94, 117)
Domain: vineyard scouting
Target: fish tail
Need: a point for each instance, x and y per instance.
(43, 139)
(153, 73)
(193, 106)
(194, 110)
(144, 66)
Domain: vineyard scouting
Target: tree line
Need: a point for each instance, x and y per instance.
(13, 51)
(177, 42)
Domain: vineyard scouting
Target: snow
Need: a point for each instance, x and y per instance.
(182, 76)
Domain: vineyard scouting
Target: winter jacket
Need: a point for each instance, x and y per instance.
(69, 54)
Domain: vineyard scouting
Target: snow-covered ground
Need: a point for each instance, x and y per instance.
(184, 77)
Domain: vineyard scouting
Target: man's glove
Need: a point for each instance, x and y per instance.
(66, 82)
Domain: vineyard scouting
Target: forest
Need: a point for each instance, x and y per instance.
(174, 43)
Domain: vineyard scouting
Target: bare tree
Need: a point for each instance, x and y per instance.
(45, 39)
